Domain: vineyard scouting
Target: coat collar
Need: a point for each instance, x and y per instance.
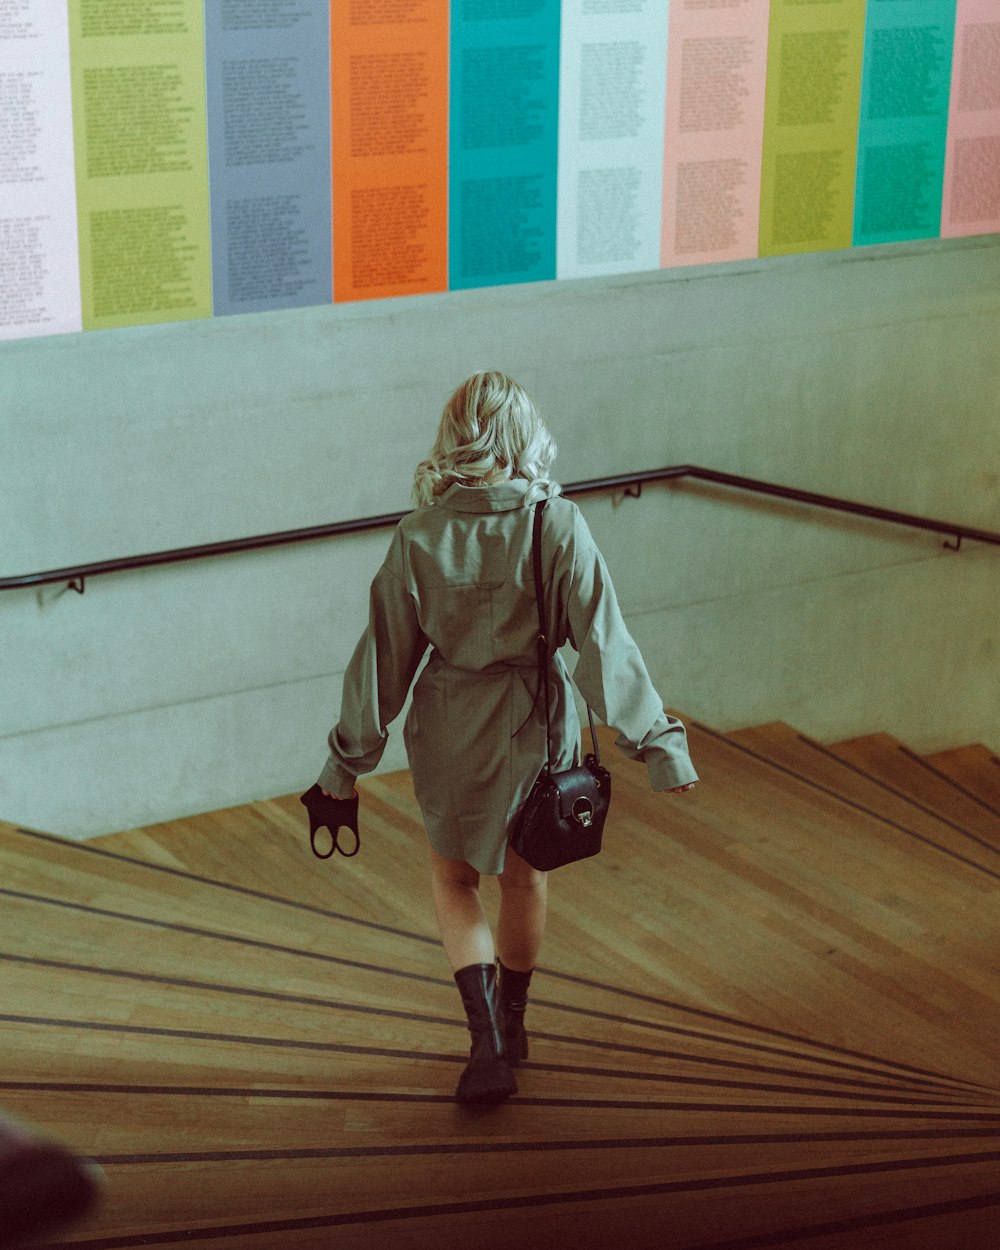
(503, 497)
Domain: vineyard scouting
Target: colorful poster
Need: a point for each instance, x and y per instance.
(389, 87)
(811, 125)
(716, 81)
(39, 264)
(612, 82)
(267, 78)
(904, 120)
(138, 73)
(972, 164)
(504, 141)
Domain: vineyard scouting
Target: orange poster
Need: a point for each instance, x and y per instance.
(389, 103)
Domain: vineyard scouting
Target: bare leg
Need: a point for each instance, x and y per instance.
(523, 906)
(465, 931)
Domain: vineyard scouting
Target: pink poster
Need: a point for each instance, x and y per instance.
(972, 164)
(716, 75)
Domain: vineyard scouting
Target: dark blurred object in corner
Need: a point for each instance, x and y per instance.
(43, 1186)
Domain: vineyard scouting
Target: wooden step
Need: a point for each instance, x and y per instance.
(883, 757)
(303, 1191)
(149, 988)
(136, 1123)
(265, 846)
(810, 760)
(975, 768)
(700, 958)
(743, 1031)
(824, 902)
(674, 1194)
(285, 1040)
(114, 886)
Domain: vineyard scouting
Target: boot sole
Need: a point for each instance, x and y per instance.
(492, 1088)
(491, 1099)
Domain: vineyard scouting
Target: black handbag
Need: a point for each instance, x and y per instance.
(562, 819)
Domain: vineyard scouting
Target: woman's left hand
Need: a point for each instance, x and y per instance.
(683, 789)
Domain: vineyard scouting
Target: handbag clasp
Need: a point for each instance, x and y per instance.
(583, 812)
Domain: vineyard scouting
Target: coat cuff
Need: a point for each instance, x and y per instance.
(336, 780)
(666, 772)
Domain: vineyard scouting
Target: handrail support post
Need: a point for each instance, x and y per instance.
(633, 491)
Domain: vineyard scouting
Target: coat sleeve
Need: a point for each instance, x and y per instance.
(610, 673)
(377, 678)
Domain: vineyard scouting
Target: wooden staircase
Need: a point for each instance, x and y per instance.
(767, 1016)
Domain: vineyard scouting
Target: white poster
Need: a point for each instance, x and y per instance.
(612, 89)
(39, 263)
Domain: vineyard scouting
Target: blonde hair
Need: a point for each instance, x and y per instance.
(490, 432)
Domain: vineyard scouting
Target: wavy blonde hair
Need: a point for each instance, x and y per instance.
(490, 432)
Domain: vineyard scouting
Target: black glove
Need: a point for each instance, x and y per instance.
(333, 814)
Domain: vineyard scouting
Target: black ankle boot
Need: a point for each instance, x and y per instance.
(487, 1076)
(513, 1004)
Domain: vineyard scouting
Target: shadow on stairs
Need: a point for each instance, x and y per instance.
(767, 1016)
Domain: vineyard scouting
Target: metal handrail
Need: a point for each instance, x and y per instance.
(632, 483)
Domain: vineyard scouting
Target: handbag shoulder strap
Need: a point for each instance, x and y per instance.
(543, 642)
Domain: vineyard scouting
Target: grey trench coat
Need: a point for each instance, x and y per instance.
(458, 579)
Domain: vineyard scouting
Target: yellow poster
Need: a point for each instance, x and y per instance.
(139, 120)
(811, 114)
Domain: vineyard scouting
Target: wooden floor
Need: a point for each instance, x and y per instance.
(769, 1015)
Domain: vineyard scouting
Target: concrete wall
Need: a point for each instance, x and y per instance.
(871, 374)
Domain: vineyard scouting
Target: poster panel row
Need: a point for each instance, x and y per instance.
(162, 160)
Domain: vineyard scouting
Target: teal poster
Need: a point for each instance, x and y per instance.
(905, 88)
(504, 138)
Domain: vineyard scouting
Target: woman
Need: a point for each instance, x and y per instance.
(458, 579)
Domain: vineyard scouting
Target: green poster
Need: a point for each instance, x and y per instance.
(815, 50)
(139, 120)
